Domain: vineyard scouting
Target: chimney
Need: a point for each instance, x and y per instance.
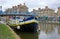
(46, 7)
(58, 7)
(24, 3)
(39, 9)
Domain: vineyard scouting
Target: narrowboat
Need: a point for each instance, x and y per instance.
(26, 24)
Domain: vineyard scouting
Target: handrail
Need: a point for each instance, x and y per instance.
(17, 14)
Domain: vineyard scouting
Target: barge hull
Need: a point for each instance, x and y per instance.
(32, 27)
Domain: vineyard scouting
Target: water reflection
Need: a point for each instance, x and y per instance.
(47, 27)
(47, 31)
(27, 35)
(58, 29)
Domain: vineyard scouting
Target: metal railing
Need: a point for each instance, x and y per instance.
(18, 14)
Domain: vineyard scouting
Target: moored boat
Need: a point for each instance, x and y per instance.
(26, 24)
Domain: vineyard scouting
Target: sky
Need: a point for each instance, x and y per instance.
(32, 4)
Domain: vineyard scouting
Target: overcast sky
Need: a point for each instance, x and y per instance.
(31, 3)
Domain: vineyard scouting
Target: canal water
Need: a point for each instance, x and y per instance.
(47, 31)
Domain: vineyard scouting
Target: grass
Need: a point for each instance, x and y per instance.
(5, 32)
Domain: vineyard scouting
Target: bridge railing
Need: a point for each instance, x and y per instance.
(18, 13)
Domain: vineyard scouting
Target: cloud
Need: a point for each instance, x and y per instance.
(31, 3)
(2, 2)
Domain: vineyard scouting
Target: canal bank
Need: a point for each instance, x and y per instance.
(7, 33)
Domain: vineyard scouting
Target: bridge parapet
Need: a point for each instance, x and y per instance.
(18, 14)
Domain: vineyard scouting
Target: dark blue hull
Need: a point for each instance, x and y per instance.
(32, 27)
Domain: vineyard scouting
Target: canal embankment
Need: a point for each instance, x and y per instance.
(7, 33)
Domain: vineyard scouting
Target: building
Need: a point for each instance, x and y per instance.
(37, 11)
(18, 8)
(22, 8)
(44, 12)
(58, 12)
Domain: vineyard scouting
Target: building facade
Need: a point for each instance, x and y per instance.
(45, 12)
(58, 12)
(18, 8)
(41, 12)
(22, 8)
